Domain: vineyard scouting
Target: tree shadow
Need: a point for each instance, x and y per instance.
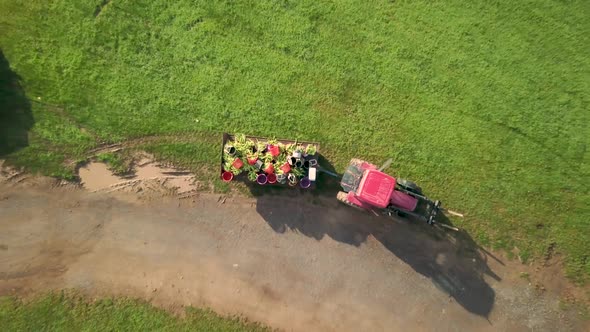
(451, 260)
(15, 111)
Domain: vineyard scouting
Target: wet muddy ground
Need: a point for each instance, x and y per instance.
(147, 174)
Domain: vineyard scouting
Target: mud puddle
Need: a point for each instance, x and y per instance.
(146, 174)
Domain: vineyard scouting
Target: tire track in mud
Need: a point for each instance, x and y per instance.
(148, 175)
(13, 176)
(105, 147)
(134, 142)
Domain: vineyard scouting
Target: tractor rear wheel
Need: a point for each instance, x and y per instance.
(409, 186)
(393, 212)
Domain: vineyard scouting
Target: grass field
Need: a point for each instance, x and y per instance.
(483, 103)
(59, 312)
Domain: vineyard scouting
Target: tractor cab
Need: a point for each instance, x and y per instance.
(368, 187)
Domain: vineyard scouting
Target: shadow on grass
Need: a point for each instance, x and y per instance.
(451, 260)
(15, 111)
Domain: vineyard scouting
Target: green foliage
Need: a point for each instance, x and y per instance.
(252, 174)
(59, 312)
(299, 172)
(281, 159)
(266, 157)
(484, 104)
(243, 146)
(260, 146)
(289, 149)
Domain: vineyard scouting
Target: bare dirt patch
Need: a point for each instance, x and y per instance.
(146, 176)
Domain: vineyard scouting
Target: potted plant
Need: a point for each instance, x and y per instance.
(292, 179)
(261, 147)
(281, 176)
(289, 149)
(297, 153)
(310, 150)
(230, 149)
(269, 168)
(274, 150)
(285, 168)
(252, 158)
(239, 138)
(240, 143)
(266, 157)
(280, 162)
(229, 167)
(271, 178)
(227, 176)
(298, 172)
(298, 163)
(238, 163)
(258, 164)
(305, 183)
(261, 179)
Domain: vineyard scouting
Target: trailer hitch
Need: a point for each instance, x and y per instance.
(323, 170)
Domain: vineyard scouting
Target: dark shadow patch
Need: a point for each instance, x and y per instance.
(453, 261)
(16, 118)
(550, 252)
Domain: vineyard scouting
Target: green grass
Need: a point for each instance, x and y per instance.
(67, 312)
(116, 163)
(483, 103)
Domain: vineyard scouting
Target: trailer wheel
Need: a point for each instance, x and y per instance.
(409, 186)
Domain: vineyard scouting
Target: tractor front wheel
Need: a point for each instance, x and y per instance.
(356, 161)
(343, 197)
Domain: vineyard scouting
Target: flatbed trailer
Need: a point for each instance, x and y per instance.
(309, 172)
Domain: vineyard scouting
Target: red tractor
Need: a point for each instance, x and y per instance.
(366, 187)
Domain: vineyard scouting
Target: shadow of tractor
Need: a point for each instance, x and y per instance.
(451, 260)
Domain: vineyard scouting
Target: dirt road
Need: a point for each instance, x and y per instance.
(297, 263)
